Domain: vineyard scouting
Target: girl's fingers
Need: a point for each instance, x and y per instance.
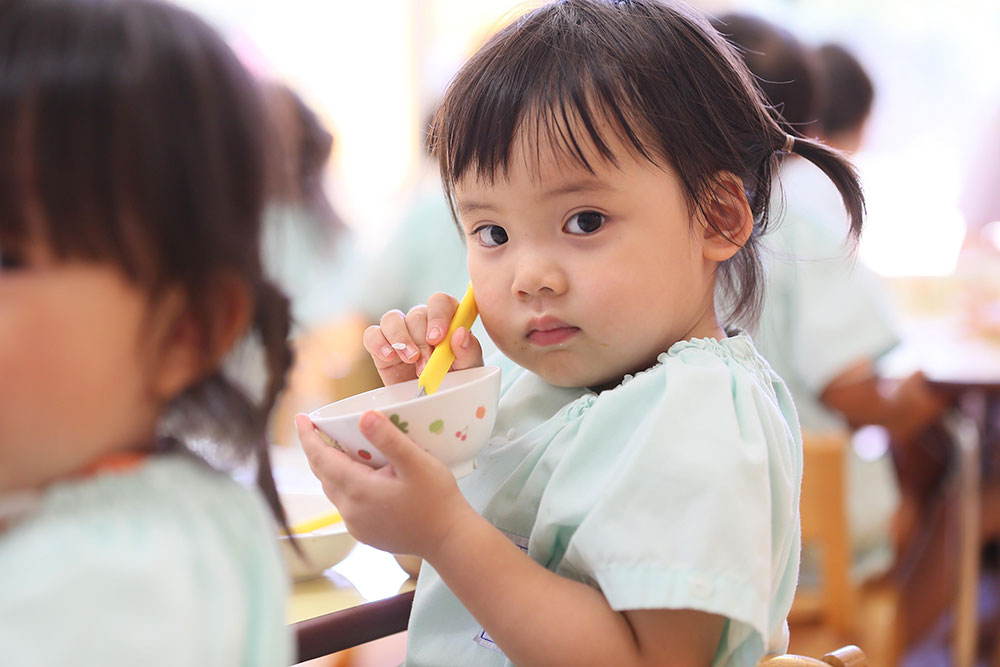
(416, 324)
(394, 329)
(440, 309)
(390, 367)
(468, 351)
(401, 452)
(378, 347)
(333, 468)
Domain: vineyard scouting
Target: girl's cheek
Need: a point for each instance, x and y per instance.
(491, 313)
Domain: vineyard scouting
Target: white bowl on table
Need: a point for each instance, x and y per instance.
(453, 423)
(322, 548)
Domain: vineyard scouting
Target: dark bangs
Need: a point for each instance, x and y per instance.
(98, 129)
(658, 75)
(538, 88)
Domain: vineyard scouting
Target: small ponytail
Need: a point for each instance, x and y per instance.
(838, 169)
(217, 418)
(272, 320)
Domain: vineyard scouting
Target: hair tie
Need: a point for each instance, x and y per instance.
(789, 145)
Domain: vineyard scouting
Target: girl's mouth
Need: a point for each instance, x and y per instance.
(555, 336)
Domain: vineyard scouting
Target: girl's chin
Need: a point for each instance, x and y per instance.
(554, 370)
(564, 366)
(563, 376)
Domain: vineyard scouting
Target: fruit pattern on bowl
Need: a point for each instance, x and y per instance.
(436, 426)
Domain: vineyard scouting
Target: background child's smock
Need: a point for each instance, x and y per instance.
(170, 564)
(823, 312)
(677, 489)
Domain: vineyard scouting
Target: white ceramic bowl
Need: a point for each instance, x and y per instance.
(452, 424)
(322, 548)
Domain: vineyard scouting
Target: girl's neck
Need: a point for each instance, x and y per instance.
(718, 334)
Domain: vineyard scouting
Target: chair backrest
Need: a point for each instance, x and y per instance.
(825, 530)
(846, 656)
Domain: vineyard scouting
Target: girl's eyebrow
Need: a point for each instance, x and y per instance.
(467, 207)
(587, 185)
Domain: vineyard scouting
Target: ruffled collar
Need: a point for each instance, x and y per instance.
(737, 346)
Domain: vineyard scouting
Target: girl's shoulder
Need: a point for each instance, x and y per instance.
(700, 365)
(699, 382)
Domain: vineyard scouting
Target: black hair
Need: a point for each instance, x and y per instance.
(306, 147)
(849, 90)
(669, 86)
(785, 69)
(132, 135)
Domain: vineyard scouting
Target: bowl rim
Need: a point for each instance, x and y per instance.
(314, 415)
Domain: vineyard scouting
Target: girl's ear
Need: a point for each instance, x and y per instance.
(189, 348)
(728, 220)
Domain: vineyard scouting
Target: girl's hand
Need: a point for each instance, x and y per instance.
(408, 506)
(400, 345)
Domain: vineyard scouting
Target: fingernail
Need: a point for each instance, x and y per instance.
(386, 351)
(433, 334)
(369, 420)
(411, 352)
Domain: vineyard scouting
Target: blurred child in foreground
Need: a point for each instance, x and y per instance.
(132, 188)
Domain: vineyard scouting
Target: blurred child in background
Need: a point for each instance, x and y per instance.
(827, 317)
(312, 254)
(306, 244)
(132, 189)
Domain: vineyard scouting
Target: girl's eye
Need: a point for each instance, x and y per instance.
(585, 222)
(491, 236)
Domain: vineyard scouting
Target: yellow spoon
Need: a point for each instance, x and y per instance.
(443, 356)
(315, 523)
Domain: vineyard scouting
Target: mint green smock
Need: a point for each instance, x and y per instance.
(824, 311)
(169, 564)
(677, 489)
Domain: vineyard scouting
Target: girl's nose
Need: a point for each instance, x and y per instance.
(536, 277)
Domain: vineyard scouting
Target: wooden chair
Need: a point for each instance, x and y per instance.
(847, 656)
(838, 610)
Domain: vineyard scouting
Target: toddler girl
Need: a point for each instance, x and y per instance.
(130, 196)
(610, 166)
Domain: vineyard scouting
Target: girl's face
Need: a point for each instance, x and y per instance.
(73, 379)
(583, 277)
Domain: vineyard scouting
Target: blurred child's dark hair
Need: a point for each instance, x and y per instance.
(667, 84)
(131, 134)
(306, 146)
(849, 90)
(785, 69)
